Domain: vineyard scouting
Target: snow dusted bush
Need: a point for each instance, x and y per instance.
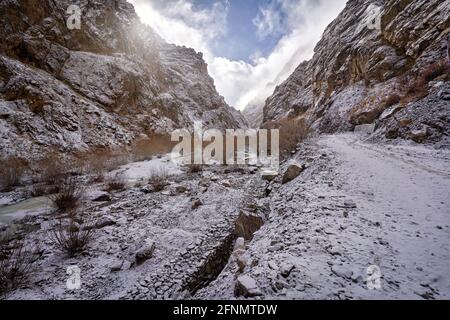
(16, 263)
(68, 196)
(158, 179)
(69, 237)
(116, 183)
(292, 132)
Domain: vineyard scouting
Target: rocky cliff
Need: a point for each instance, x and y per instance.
(102, 85)
(394, 74)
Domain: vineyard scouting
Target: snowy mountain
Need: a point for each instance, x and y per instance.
(382, 62)
(102, 85)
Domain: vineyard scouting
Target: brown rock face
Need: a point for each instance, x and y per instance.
(100, 86)
(357, 69)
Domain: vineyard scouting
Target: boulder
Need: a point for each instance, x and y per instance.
(180, 189)
(3, 227)
(104, 197)
(145, 252)
(286, 268)
(246, 286)
(104, 222)
(269, 175)
(419, 135)
(196, 203)
(292, 172)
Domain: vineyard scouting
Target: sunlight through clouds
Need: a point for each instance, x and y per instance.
(300, 23)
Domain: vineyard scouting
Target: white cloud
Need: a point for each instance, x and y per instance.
(241, 83)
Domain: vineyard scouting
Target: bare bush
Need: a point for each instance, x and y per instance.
(11, 172)
(292, 132)
(144, 148)
(69, 195)
(16, 263)
(69, 237)
(116, 183)
(158, 179)
(195, 168)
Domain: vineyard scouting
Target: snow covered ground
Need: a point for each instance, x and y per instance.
(357, 207)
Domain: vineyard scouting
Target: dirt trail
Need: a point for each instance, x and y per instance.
(407, 190)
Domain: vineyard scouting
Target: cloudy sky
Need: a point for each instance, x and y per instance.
(250, 45)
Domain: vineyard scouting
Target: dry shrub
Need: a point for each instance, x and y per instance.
(42, 189)
(69, 237)
(69, 195)
(158, 179)
(11, 172)
(292, 132)
(145, 148)
(16, 263)
(116, 183)
(52, 170)
(195, 168)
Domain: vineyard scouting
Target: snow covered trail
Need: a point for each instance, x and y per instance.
(407, 189)
(357, 207)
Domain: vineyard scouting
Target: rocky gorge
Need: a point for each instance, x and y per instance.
(358, 210)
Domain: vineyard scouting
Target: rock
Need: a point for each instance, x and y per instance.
(240, 244)
(292, 172)
(104, 197)
(226, 183)
(247, 224)
(365, 128)
(276, 247)
(3, 227)
(84, 79)
(404, 123)
(341, 87)
(286, 268)
(104, 222)
(342, 272)
(419, 135)
(117, 266)
(246, 286)
(196, 203)
(180, 189)
(269, 175)
(242, 262)
(145, 252)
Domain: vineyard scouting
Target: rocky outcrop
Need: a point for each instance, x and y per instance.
(99, 86)
(358, 69)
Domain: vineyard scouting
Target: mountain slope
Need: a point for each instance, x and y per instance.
(101, 86)
(358, 71)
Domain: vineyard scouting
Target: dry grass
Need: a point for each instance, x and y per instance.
(195, 168)
(69, 195)
(11, 173)
(116, 183)
(16, 264)
(69, 237)
(145, 148)
(158, 179)
(292, 132)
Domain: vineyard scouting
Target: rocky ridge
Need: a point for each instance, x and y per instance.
(356, 69)
(103, 85)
